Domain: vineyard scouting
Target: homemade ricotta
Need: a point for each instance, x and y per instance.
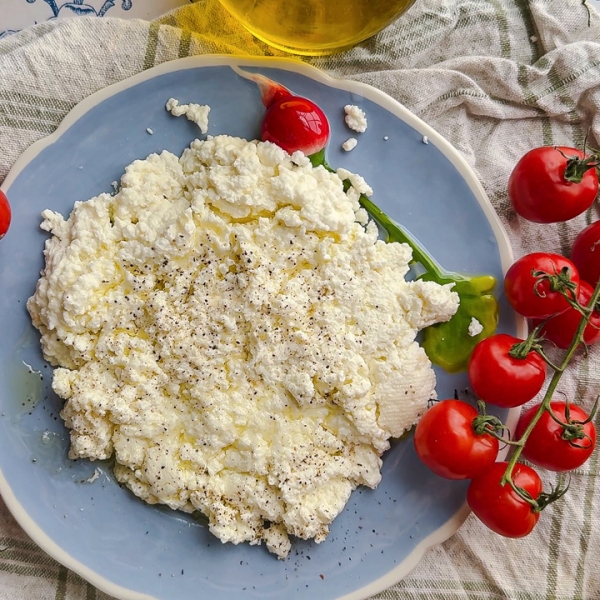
(229, 327)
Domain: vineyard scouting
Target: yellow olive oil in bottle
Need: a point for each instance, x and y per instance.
(315, 27)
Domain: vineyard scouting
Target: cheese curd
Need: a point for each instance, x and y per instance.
(356, 118)
(197, 113)
(229, 327)
(349, 144)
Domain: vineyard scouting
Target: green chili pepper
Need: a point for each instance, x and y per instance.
(449, 344)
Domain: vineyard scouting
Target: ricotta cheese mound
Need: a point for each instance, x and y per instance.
(229, 327)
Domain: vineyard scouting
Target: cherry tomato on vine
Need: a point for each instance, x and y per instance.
(446, 441)
(561, 328)
(585, 253)
(553, 446)
(553, 183)
(533, 282)
(5, 214)
(499, 507)
(500, 379)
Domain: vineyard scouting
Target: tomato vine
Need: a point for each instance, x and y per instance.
(544, 406)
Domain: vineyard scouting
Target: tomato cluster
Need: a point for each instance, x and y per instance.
(559, 296)
(457, 442)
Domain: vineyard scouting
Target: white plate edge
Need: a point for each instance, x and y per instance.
(51, 548)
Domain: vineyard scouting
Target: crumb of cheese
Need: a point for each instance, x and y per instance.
(355, 118)
(350, 144)
(475, 327)
(226, 327)
(197, 113)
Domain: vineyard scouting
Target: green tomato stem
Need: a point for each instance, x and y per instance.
(401, 235)
(589, 12)
(532, 344)
(389, 226)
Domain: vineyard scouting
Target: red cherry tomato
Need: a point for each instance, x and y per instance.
(585, 253)
(295, 123)
(553, 447)
(499, 507)
(447, 443)
(552, 184)
(498, 378)
(5, 214)
(561, 328)
(532, 295)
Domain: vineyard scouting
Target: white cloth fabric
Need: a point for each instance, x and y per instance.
(496, 78)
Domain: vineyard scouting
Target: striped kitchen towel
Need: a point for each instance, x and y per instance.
(496, 78)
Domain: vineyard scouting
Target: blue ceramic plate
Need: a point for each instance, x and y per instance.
(75, 510)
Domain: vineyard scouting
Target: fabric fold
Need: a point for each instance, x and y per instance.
(495, 78)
